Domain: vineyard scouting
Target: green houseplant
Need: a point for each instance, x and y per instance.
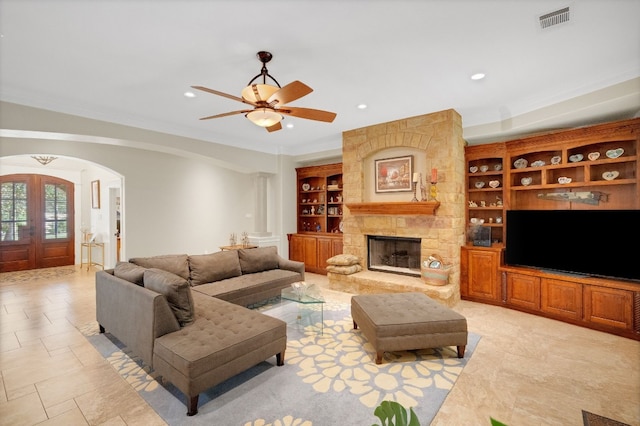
(392, 413)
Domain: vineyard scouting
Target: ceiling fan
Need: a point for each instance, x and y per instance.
(269, 102)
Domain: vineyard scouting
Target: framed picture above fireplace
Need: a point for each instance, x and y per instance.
(394, 174)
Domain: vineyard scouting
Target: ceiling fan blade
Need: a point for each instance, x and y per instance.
(289, 93)
(226, 114)
(275, 127)
(225, 95)
(308, 113)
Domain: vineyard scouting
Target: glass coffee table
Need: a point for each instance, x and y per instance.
(310, 306)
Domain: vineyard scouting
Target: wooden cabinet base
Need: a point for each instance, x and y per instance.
(314, 250)
(597, 303)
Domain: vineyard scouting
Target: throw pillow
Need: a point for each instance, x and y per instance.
(130, 272)
(344, 260)
(258, 259)
(175, 263)
(344, 270)
(177, 291)
(207, 268)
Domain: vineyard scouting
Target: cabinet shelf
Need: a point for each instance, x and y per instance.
(606, 305)
(319, 235)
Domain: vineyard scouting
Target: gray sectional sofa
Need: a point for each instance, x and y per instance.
(185, 316)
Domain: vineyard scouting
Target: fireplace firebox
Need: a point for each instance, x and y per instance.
(395, 255)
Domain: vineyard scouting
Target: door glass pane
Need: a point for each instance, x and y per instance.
(13, 211)
(55, 211)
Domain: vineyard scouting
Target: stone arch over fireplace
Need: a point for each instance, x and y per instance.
(437, 137)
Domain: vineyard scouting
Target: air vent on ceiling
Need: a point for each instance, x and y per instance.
(554, 18)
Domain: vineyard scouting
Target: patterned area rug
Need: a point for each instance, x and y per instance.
(36, 274)
(329, 377)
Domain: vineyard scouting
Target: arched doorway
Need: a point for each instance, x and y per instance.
(36, 222)
(101, 222)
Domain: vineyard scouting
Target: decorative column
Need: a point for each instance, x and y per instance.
(261, 205)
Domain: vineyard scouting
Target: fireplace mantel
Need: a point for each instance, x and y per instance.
(395, 208)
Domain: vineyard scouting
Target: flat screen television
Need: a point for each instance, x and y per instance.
(599, 243)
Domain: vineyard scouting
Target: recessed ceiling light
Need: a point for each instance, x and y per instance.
(289, 126)
(189, 95)
(362, 106)
(478, 76)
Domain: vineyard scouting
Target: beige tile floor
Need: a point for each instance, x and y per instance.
(525, 370)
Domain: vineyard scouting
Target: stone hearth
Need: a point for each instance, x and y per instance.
(434, 141)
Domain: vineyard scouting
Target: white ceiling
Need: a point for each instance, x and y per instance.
(130, 62)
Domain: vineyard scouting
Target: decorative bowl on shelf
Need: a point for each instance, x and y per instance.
(563, 180)
(593, 156)
(476, 221)
(556, 159)
(497, 167)
(494, 183)
(576, 157)
(615, 153)
(473, 169)
(484, 168)
(526, 181)
(610, 175)
(538, 163)
(520, 163)
(479, 185)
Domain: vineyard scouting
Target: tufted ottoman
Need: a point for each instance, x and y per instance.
(405, 321)
(224, 340)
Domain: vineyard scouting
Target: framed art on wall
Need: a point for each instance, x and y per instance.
(394, 174)
(95, 194)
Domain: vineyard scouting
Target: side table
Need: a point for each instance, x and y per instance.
(236, 247)
(90, 262)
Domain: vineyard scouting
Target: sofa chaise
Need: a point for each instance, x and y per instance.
(185, 316)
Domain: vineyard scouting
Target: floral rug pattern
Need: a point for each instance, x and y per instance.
(337, 364)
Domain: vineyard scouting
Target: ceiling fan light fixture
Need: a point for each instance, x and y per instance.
(264, 117)
(258, 92)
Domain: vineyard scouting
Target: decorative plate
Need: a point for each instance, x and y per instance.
(479, 185)
(562, 180)
(494, 183)
(576, 157)
(497, 167)
(538, 163)
(473, 169)
(341, 226)
(593, 156)
(556, 159)
(484, 168)
(306, 187)
(610, 175)
(520, 163)
(615, 153)
(526, 181)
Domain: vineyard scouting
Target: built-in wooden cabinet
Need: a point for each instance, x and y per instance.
(480, 279)
(592, 167)
(561, 298)
(602, 304)
(318, 215)
(523, 291)
(610, 307)
(485, 189)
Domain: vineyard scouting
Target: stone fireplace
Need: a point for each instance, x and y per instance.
(434, 141)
